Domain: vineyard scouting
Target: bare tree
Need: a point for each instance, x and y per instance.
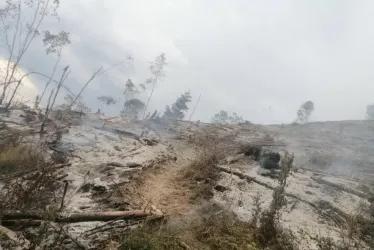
(54, 44)
(370, 112)
(194, 108)
(157, 69)
(99, 72)
(50, 105)
(19, 33)
(223, 117)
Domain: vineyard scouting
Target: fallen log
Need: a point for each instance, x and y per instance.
(75, 217)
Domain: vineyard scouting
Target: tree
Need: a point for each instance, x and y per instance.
(79, 105)
(132, 108)
(157, 69)
(370, 112)
(107, 99)
(235, 118)
(223, 117)
(130, 90)
(305, 111)
(178, 108)
(19, 33)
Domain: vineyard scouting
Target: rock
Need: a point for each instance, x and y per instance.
(270, 160)
(59, 158)
(133, 165)
(268, 163)
(220, 188)
(272, 173)
(117, 148)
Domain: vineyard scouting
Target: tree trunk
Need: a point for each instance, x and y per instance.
(149, 99)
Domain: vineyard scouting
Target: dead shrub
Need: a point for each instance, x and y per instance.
(29, 180)
(148, 236)
(31, 191)
(202, 175)
(269, 232)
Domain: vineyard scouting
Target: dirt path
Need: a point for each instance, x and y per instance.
(163, 188)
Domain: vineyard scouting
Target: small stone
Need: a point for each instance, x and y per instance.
(158, 212)
(117, 148)
(240, 203)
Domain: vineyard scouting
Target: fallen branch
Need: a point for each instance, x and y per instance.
(249, 179)
(61, 152)
(340, 187)
(126, 133)
(62, 165)
(59, 178)
(75, 217)
(127, 165)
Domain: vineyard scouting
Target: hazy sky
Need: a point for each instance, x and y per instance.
(240, 55)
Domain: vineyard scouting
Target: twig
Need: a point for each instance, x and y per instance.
(184, 245)
(119, 190)
(147, 204)
(95, 230)
(63, 196)
(79, 244)
(59, 178)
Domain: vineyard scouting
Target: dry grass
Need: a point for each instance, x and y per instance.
(149, 237)
(222, 230)
(202, 175)
(18, 157)
(216, 229)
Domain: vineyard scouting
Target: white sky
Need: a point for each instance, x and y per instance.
(240, 55)
(27, 92)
